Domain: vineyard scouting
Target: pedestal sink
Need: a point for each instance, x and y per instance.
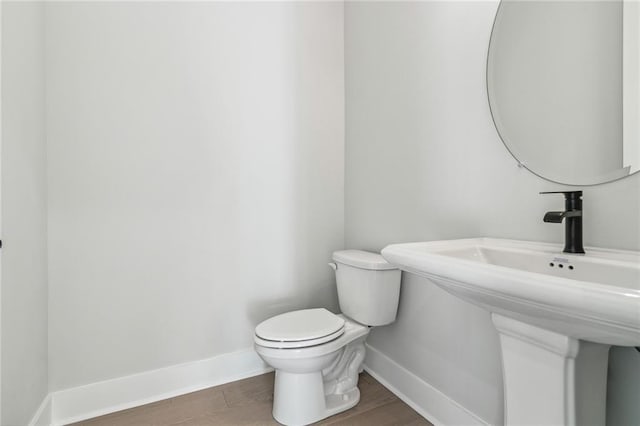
(556, 313)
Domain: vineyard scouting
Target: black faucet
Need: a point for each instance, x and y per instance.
(573, 222)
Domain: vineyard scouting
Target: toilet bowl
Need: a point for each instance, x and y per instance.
(316, 381)
(318, 355)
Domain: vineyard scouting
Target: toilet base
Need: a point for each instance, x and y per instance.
(301, 399)
(298, 399)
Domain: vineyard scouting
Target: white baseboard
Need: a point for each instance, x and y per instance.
(96, 399)
(42, 417)
(428, 401)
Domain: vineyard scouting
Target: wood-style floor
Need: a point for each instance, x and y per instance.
(248, 402)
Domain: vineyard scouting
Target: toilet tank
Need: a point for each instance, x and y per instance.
(368, 287)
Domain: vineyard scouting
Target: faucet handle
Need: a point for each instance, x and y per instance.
(567, 194)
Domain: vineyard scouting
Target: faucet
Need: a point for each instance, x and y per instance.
(573, 222)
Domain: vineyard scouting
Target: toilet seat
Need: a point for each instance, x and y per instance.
(299, 343)
(299, 329)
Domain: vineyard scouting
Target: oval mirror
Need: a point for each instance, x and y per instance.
(563, 86)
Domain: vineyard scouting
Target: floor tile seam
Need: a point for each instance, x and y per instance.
(224, 396)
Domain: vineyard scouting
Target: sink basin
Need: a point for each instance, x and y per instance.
(594, 296)
(556, 314)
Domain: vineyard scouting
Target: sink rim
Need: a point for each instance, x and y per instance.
(594, 255)
(511, 291)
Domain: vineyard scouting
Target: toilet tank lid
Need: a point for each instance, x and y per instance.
(362, 259)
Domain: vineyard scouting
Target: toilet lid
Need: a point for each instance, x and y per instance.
(300, 326)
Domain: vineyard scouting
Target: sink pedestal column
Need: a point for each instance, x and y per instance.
(550, 378)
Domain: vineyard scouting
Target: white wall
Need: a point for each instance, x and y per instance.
(24, 265)
(195, 175)
(424, 162)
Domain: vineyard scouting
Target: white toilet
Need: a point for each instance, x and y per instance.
(318, 355)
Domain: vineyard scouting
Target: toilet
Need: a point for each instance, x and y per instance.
(317, 355)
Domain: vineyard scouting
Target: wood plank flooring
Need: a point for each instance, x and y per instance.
(248, 402)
